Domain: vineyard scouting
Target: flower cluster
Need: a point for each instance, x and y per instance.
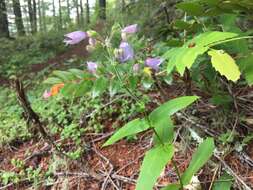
(123, 54)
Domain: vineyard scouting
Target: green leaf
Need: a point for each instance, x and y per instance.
(82, 88)
(68, 90)
(154, 162)
(185, 56)
(246, 66)
(74, 90)
(53, 80)
(64, 75)
(169, 108)
(172, 187)
(199, 158)
(77, 72)
(225, 182)
(165, 130)
(225, 65)
(192, 8)
(131, 128)
(99, 87)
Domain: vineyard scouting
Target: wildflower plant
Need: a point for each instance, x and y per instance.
(122, 67)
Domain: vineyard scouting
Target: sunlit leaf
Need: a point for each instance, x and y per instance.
(225, 64)
(185, 56)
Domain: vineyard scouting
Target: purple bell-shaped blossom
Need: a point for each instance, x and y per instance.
(126, 52)
(131, 29)
(92, 66)
(75, 37)
(153, 63)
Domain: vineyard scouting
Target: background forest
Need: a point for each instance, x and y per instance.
(126, 94)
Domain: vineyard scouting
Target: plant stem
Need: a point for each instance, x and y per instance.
(178, 174)
(228, 40)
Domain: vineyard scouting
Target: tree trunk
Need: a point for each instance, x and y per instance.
(68, 10)
(35, 15)
(77, 13)
(40, 15)
(123, 4)
(30, 12)
(44, 21)
(4, 29)
(81, 13)
(54, 14)
(60, 16)
(102, 9)
(87, 12)
(18, 17)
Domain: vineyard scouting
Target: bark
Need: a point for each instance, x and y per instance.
(31, 18)
(4, 28)
(18, 17)
(35, 15)
(102, 9)
(68, 10)
(60, 15)
(81, 13)
(44, 23)
(87, 12)
(40, 15)
(77, 13)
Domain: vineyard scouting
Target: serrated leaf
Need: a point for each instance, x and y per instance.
(75, 90)
(131, 128)
(53, 80)
(185, 56)
(154, 162)
(199, 158)
(225, 65)
(169, 108)
(64, 75)
(77, 72)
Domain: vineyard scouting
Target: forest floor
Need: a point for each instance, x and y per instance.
(118, 164)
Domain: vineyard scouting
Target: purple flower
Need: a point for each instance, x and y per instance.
(92, 67)
(75, 37)
(126, 52)
(136, 68)
(131, 29)
(153, 63)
